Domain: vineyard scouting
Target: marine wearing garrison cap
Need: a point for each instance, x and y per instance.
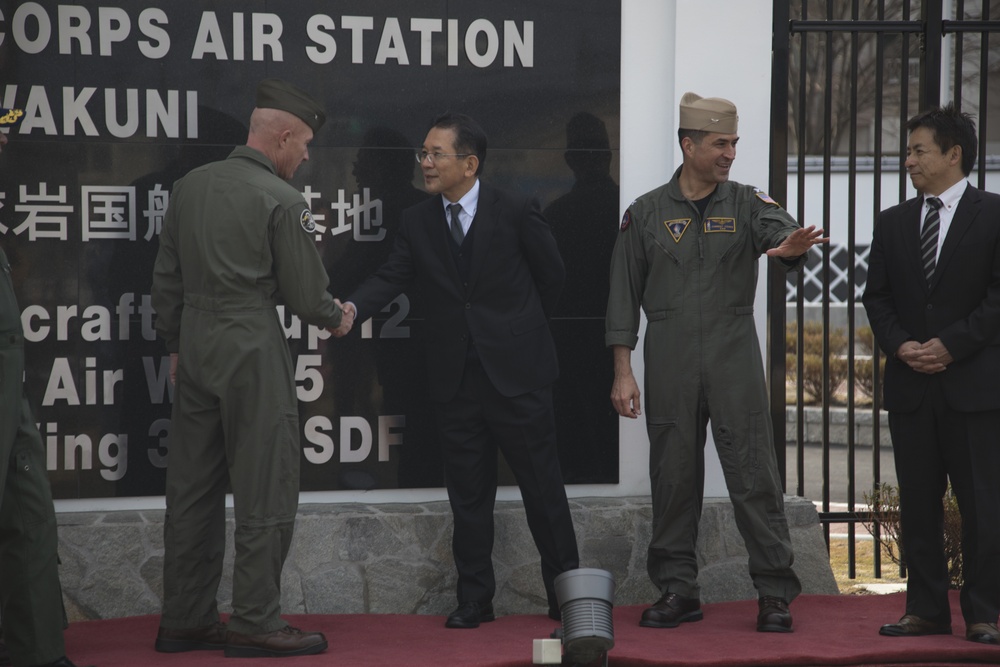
(708, 114)
(278, 94)
(236, 239)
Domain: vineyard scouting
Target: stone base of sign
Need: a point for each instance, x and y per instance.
(396, 558)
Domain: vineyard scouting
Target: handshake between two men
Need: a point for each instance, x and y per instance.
(347, 321)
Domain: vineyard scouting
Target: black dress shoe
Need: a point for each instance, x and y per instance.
(983, 633)
(773, 615)
(555, 614)
(177, 640)
(61, 662)
(670, 611)
(914, 626)
(470, 615)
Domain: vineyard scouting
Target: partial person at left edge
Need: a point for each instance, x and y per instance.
(236, 238)
(31, 603)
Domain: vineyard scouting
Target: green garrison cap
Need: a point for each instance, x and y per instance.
(708, 114)
(278, 94)
(10, 116)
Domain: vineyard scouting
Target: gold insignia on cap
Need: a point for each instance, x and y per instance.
(10, 116)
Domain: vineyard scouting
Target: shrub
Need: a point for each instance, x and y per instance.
(813, 382)
(865, 338)
(883, 513)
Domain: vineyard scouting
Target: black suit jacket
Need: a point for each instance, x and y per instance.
(961, 306)
(513, 285)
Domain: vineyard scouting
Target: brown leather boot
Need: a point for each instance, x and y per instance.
(282, 643)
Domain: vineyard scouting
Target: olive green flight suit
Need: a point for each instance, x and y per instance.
(235, 237)
(695, 279)
(30, 595)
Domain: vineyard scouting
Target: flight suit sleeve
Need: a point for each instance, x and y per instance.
(629, 268)
(772, 225)
(302, 279)
(168, 285)
(11, 361)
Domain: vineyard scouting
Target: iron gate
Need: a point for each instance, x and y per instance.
(846, 75)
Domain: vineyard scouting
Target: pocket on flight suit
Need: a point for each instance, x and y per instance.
(666, 463)
(740, 468)
(288, 465)
(31, 495)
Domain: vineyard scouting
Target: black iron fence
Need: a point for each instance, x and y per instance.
(846, 76)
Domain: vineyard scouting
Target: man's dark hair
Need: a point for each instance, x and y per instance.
(950, 127)
(469, 136)
(696, 135)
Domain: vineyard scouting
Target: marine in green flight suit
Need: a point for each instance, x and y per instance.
(235, 238)
(31, 602)
(30, 596)
(687, 255)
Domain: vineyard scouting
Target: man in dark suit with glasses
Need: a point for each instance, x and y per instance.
(486, 266)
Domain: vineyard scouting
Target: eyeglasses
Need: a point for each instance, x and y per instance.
(434, 157)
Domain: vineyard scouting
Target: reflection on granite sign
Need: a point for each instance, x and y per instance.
(121, 100)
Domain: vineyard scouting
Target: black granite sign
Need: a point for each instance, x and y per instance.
(121, 99)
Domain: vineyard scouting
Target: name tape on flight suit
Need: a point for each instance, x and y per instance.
(716, 225)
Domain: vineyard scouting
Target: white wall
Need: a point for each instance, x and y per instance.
(716, 48)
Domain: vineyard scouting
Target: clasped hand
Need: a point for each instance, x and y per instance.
(930, 357)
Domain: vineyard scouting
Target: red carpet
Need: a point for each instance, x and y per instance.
(829, 630)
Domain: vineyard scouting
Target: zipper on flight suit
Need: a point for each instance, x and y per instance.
(666, 251)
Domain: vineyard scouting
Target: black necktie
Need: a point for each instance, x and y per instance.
(929, 237)
(456, 224)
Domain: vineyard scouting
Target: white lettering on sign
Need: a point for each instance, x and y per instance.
(71, 30)
(355, 437)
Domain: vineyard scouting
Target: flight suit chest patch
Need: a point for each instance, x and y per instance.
(677, 227)
(720, 225)
(307, 222)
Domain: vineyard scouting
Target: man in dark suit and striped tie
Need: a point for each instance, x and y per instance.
(933, 299)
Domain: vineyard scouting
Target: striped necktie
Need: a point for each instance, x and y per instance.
(929, 237)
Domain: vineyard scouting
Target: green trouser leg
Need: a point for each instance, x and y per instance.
(677, 419)
(259, 457)
(30, 594)
(266, 491)
(677, 480)
(194, 529)
(677, 465)
(751, 471)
